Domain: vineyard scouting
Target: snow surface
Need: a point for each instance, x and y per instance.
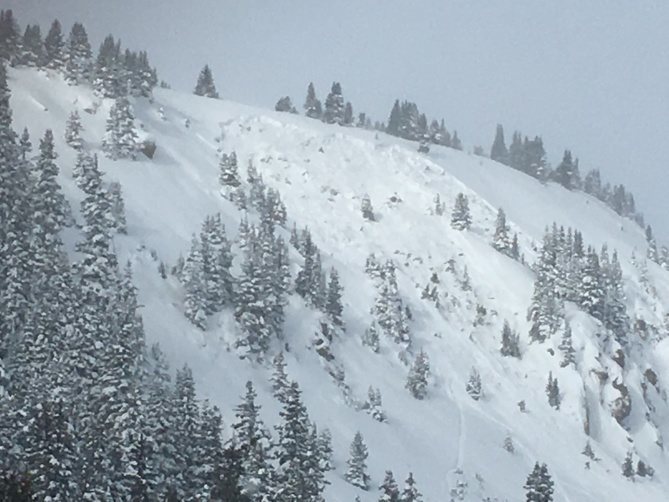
(322, 172)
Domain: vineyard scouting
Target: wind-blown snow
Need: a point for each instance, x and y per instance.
(322, 172)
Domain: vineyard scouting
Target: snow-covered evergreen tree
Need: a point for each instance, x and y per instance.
(356, 473)
(553, 392)
(473, 386)
(285, 104)
(498, 151)
(628, 466)
(334, 106)
(54, 46)
(73, 130)
(460, 217)
(79, 58)
(32, 50)
(312, 106)
(417, 379)
(502, 241)
(367, 209)
(297, 453)
(228, 171)
(539, 485)
(253, 440)
(279, 378)
(389, 489)
(121, 140)
(117, 207)
(567, 348)
(374, 404)
(333, 305)
(205, 84)
(510, 342)
(410, 492)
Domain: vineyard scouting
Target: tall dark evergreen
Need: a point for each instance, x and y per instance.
(32, 53)
(356, 473)
(108, 73)
(417, 379)
(299, 473)
(389, 489)
(121, 140)
(510, 342)
(14, 234)
(54, 46)
(333, 305)
(79, 57)
(334, 106)
(460, 217)
(205, 84)
(253, 441)
(501, 240)
(228, 171)
(10, 37)
(73, 130)
(312, 106)
(566, 173)
(410, 492)
(498, 151)
(539, 485)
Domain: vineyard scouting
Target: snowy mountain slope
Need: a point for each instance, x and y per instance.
(322, 173)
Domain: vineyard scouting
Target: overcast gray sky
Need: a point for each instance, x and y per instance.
(592, 76)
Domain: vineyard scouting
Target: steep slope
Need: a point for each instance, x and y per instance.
(452, 443)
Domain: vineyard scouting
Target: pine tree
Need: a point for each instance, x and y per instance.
(501, 241)
(418, 375)
(187, 424)
(628, 466)
(389, 490)
(195, 307)
(455, 141)
(460, 217)
(54, 47)
(567, 348)
(356, 474)
(473, 386)
(553, 392)
(410, 492)
(367, 209)
(79, 56)
(312, 106)
(591, 291)
(395, 119)
(229, 174)
(279, 378)
(205, 84)
(348, 114)
(253, 442)
(121, 140)
(285, 104)
(375, 405)
(108, 72)
(370, 338)
(334, 106)
(333, 305)
(32, 54)
(539, 485)
(498, 151)
(510, 342)
(73, 130)
(297, 452)
(566, 173)
(10, 38)
(117, 207)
